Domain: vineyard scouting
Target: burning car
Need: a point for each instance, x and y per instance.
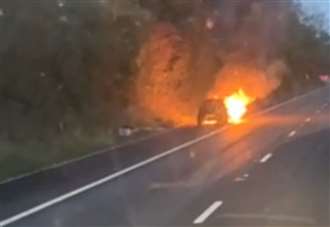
(231, 109)
(212, 112)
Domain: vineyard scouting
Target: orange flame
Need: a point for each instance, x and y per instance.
(236, 106)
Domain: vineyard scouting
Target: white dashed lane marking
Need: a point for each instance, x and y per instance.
(266, 158)
(207, 213)
(239, 179)
(292, 133)
(308, 119)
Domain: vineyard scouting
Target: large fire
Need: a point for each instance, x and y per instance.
(236, 106)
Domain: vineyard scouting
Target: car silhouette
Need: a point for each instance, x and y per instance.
(212, 112)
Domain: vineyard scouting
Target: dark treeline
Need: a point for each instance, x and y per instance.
(69, 67)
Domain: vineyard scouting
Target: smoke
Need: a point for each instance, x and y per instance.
(180, 59)
(252, 33)
(252, 29)
(256, 81)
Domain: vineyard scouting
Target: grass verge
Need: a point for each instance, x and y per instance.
(24, 157)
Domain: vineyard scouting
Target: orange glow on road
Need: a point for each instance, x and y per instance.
(236, 106)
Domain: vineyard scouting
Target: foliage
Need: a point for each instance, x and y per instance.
(73, 66)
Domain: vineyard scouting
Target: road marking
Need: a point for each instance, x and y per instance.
(292, 133)
(192, 154)
(317, 111)
(201, 218)
(243, 178)
(308, 119)
(239, 179)
(114, 147)
(266, 158)
(98, 152)
(113, 176)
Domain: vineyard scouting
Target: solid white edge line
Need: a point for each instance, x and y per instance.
(104, 180)
(85, 188)
(97, 152)
(210, 210)
(114, 147)
(266, 158)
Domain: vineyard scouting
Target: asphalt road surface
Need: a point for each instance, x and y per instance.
(272, 170)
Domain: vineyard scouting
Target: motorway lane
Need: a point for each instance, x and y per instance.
(48, 184)
(291, 189)
(181, 183)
